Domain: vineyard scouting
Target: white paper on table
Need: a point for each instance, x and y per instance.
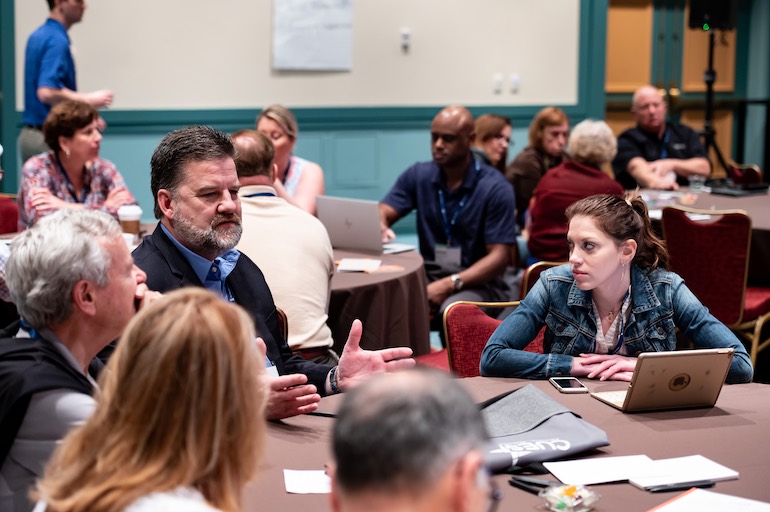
(655, 213)
(298, 481)
(358, 265)
(396, 248)
(709, 501)
(600, 470)
(695, 217)
(683, 469)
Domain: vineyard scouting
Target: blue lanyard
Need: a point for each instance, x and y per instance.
(260, 194)
(664, 150)
(70, 186)
(621, 327)
(30, 330)
(450, 224)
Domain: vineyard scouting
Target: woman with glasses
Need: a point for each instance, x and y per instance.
(71, 175)
(548, 133)
(493, 136)
(298, 181)
(179, 422)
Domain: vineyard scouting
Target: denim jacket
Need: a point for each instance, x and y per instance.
(661, 302)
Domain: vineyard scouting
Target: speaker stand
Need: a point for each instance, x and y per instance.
(709, 133)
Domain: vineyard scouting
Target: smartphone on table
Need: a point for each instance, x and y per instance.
(568, 385)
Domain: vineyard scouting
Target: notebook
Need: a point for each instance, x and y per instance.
(354, 224)
(673, 380)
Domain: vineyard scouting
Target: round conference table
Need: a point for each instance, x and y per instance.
(391, 303)
(758, 208)
(733, 433)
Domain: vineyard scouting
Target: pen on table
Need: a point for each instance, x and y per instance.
(531, 484)
(683, 486)
(323, 414)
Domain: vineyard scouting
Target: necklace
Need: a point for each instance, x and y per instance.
(613, 312)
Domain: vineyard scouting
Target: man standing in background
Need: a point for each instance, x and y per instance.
(49, 74)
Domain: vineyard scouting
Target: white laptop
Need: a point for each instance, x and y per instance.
(673, 380)
(354, 224)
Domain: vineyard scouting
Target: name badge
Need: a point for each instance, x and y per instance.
(448, 256)
(270, 368)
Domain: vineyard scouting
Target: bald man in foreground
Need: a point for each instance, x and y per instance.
(465, 216)
(656, 153)
(412, 440)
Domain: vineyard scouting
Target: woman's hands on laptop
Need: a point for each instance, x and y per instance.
(604, 366)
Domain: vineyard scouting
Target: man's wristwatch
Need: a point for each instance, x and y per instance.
(457, 282)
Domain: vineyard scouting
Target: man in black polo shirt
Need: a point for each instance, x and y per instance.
(657, 154)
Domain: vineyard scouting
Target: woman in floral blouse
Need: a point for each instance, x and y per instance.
(71, 175)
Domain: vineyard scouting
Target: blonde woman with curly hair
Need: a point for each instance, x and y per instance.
(179, 424)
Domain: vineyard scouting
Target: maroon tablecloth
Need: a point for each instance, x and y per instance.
(392, 305)
(734, 433)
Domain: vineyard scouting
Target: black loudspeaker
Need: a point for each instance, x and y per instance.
(718, 14)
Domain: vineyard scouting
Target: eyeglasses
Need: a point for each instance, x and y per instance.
(448, 139)
(507, 140)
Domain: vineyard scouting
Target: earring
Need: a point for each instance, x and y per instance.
(67, 153)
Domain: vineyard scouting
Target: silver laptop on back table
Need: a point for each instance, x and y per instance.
(673, 380)
(354, 224)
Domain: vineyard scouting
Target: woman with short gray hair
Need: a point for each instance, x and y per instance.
(591, 147)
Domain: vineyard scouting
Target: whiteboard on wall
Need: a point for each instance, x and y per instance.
(198, 54)
(313, 35)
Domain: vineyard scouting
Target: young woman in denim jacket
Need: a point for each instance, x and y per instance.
(613, 301)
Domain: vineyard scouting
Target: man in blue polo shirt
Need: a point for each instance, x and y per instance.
(49, 74)
(465, 215)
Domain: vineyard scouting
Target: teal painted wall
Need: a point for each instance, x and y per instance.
(8, 120)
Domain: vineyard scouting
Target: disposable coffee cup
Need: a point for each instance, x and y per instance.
(130, 216)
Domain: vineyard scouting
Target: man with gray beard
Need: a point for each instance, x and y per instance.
(195, 186)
